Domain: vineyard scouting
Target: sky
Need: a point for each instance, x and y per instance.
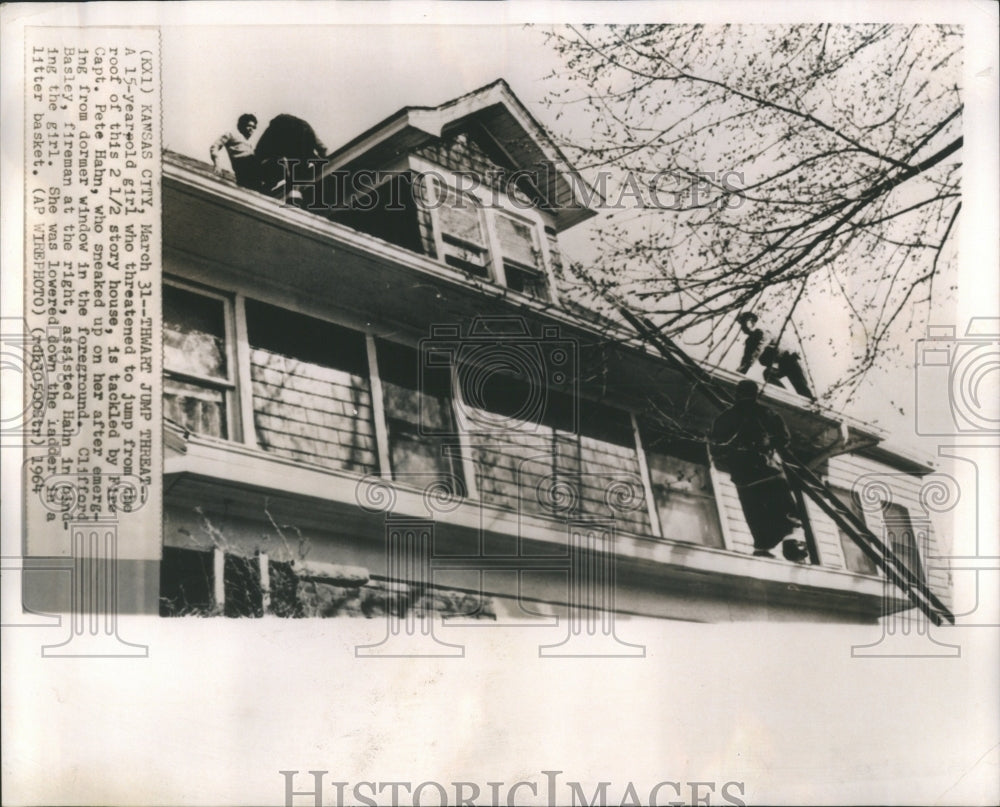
(342, 79)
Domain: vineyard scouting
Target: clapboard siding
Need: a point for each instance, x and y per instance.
(520, 467)
(312, 413)
(731, 512)
(831, 553)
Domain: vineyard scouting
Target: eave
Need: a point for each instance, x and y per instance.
(504, 116)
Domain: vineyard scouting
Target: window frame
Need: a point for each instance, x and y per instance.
(445, 243)
(920, 572)
(365, 368)
(711, 498)
(490, 204)
(851, 501)
(539, 271)
(229, 386)
(388, 425)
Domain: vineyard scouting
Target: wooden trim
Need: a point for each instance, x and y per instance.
(244, 386)
(265, 581)
(647, 479)
(185, 180)
(223, 385)
(465, 444)
(255, 474)
(219, 578)
(547, 267)
(378, 409)
(495, 250)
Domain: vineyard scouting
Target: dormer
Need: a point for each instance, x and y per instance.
(475, 183)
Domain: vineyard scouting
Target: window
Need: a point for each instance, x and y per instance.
(522, 257)
(185, 582)
(476, 236)
(198, 370)
(901, 537)
(682, 491)
(462, 234)
(202, 582)
(311, 394)
(855, 559)
(553, 454)
(418, 413)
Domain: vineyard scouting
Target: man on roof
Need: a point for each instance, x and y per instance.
(245, 164)
(778, 362)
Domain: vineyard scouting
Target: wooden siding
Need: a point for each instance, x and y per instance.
(825, 531)
(731, 512)
(425, 226)
(312, 413)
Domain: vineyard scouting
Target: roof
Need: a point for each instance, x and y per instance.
(515, 129)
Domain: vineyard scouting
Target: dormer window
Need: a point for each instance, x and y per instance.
(463, 237)
(479, 233)
(522, 257)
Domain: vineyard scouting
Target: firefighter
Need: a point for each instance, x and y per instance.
(746, 439)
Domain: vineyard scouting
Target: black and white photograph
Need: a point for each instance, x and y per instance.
(530, 403)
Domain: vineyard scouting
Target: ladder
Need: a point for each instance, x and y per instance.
(802, 478)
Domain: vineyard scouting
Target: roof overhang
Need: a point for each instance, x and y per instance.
(525, 141)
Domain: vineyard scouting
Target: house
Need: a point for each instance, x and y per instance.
(386, 403)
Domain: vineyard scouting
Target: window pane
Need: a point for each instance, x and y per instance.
(526, 282)
(460, 220)
(682, 490)
(414, 454)
(193, 333)
(311, 395)
(901, 537)
(199, 409)
(517, 241)
(854, 557)
(312, 340)
(418, 411)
